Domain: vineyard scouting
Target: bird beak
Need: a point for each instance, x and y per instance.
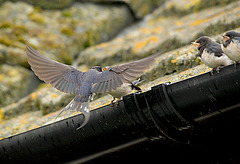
(195, 44)
(105, 68)
(225, 38)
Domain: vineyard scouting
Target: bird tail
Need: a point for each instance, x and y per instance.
(76, 105)
(134, 85)
(136, 82)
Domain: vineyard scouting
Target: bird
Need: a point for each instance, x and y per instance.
(124, 89)
(68, 79)
(231, 45)
(211, 53)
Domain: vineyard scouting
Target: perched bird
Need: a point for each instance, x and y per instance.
(124, 89)
(211, 53)
(84, 84)
(231, 45)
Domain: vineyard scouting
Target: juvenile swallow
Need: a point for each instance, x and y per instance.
(231, 45)
(84, 84)
(124, 89)
(211, 53)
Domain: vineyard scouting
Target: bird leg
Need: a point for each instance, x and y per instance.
(218, 69)
(117, 102)
(111, 104)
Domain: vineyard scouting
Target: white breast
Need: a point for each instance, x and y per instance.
(214, 61)
(121, 91)
(232, 50)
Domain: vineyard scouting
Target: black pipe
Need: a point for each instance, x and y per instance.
(192, 111)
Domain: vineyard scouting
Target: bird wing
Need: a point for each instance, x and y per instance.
(215, 48)
(236, 39)
(115, 76)
(62, 77)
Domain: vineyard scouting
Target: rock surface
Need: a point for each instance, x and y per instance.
(14, 81)
(74, 31)
(156, 33)
(58, 34)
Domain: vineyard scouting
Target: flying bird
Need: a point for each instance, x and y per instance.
(231, 45)
(68, 79)
(211, 53)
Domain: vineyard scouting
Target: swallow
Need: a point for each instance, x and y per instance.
(68, 79)
(231, 45)
(211, 53)
(124, 89)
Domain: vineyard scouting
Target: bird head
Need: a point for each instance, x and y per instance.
(106, 68)
(202, 42)
(228, 36)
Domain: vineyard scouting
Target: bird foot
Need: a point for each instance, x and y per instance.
(112, 103)
(117, 102)
(218, 69)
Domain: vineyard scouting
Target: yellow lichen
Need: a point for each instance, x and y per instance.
(179, 23)
(54, 95)
(199, 21)
(139, 45)
(175, 60)
(103, 45)
(13, 73)
(2, 76)
(1, 113)
(145, 30)
(24, 119)
(157, 30)
(33, 95)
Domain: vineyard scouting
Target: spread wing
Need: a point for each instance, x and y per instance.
(115, 76)
(61, 76)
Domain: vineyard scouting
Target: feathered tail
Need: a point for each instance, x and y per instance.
(76, 105)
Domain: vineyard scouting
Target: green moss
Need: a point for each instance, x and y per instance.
(170, 44)
(37, 17)
(19, 29)
(66, 58)
(4, 39)
(206, 4)
(67, 31)
(5, 24)
(67, 13)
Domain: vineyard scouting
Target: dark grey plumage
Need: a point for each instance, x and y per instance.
(211, 53)
(231, 45)
(70, 80)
